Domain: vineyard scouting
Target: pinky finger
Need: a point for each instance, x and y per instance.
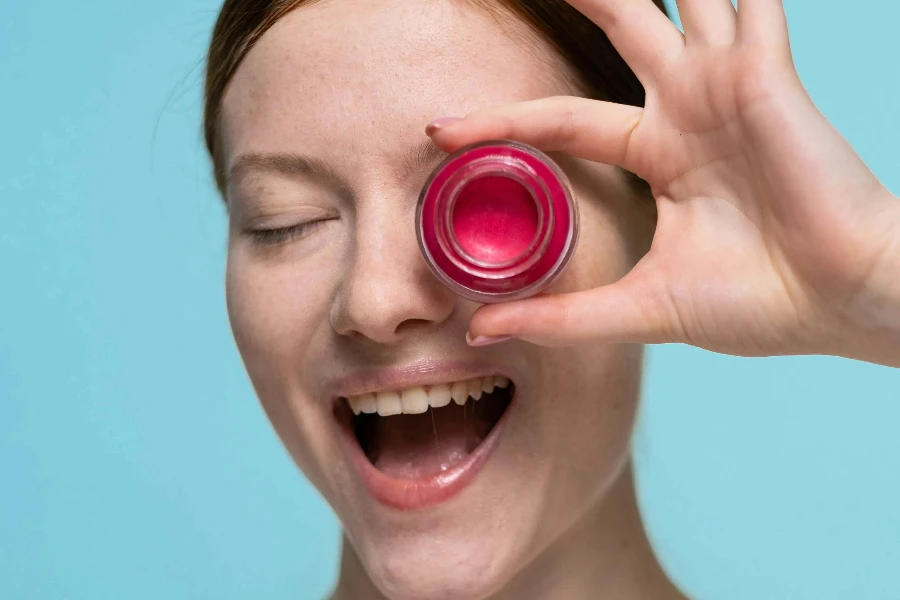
(763, 23)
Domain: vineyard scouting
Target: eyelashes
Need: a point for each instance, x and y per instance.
(273, 237)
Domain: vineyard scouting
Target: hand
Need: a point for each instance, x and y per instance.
(772, 238)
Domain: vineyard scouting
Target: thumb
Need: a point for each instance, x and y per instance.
(632, 310)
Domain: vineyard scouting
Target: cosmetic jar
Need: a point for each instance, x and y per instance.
(496, 221)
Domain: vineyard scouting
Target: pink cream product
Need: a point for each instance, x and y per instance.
(496, 221)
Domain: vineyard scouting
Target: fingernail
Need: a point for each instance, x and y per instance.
(439, 123)
(485, 340)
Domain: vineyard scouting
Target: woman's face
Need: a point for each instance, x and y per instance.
(323, 124)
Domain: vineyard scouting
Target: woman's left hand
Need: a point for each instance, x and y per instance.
(772, 238)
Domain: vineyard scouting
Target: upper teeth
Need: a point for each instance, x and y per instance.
(417, 399)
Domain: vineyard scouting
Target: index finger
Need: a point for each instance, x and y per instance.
(589, 129)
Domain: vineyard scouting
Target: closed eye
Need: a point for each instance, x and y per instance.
(281, 235)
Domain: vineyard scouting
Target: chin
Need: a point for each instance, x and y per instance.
(436, 567)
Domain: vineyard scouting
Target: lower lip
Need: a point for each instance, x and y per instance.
(419, 494)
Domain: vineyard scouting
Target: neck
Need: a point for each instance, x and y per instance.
(605, 554)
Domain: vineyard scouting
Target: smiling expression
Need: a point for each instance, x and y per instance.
(335, 312)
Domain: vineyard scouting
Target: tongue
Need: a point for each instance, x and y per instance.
(420, 446)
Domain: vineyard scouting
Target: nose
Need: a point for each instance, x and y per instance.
(389, 293)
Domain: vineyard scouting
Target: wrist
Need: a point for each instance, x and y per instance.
(874, 313)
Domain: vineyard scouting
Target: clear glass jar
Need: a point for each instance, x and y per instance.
(496, 221)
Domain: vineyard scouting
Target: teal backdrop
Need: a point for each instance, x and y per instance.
(135, 462)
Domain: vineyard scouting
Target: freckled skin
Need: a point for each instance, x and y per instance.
(356, 93)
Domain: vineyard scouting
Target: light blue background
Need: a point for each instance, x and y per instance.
(134, 460)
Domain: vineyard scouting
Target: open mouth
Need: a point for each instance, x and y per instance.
(422, 432)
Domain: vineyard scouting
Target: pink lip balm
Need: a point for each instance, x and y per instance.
(496, 221)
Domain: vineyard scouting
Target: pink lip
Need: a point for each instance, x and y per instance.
(418, 494)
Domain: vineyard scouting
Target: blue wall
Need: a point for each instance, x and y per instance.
(134, 460)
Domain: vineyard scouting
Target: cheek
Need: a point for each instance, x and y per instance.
(573, 438)
(278, 313)
(587, 420)
(276, 307)
(601, 408)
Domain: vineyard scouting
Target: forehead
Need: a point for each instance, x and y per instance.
(343, 77)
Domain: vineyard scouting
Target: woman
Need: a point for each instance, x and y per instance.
(758, 232)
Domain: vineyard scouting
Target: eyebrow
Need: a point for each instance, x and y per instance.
(286, 164)
(423, 155)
